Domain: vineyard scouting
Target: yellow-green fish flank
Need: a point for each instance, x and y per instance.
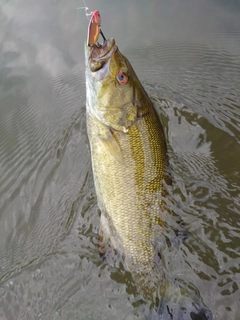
(129, 163)
(129, 157)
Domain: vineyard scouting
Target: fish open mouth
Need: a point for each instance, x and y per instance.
(100, 53)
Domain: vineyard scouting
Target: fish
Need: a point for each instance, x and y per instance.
(130, 169)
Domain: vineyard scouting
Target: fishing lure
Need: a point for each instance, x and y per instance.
(94, 29)
(93, 26)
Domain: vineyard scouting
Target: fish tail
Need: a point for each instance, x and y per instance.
(176, 304)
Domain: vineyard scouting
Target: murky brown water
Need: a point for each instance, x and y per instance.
(187, 54)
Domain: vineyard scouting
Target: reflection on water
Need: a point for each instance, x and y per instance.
(187, 56)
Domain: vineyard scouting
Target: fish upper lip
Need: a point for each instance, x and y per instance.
(102, 52)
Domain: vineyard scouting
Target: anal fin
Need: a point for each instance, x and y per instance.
(101, 246)
(106, 251)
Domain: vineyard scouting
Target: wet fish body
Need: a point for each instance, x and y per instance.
(129, 163)
(129, 157)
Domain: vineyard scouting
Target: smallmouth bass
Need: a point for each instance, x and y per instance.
(129, 163)
(129, 155)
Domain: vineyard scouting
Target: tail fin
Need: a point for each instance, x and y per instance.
(185, 310)
(176, 304)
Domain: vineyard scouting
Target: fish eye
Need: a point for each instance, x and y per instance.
(122, 78)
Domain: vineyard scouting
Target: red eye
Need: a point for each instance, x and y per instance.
(122, 78)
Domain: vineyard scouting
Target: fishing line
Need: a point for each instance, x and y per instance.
(88, 14)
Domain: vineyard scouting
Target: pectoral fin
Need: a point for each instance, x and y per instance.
(108, 139)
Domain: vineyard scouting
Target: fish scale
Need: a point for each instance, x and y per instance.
(129, 192)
